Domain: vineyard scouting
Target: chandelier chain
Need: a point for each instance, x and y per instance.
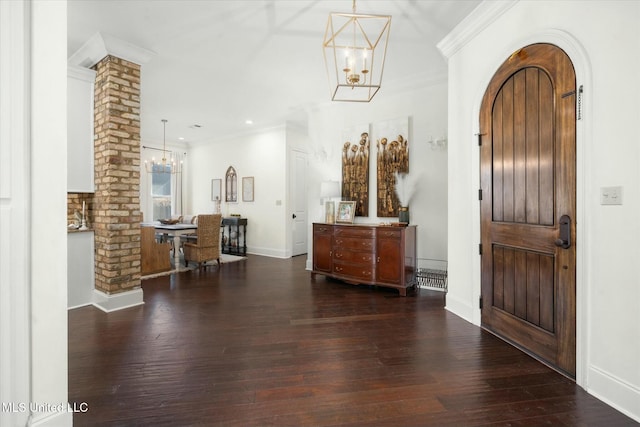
(164, 166)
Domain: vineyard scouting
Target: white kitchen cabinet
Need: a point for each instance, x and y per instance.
(80, 86)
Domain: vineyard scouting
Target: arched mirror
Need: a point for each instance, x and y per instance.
(231, 185)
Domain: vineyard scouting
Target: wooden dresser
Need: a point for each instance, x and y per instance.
(366, 254)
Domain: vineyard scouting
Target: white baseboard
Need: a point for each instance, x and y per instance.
(80, 306)
(58, 419)
(109, 303)
(459, 307)
(269, 252)
(616, 393)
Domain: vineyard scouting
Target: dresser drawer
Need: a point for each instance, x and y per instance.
(354, 243)
(390, 233)
(322, 229)
(355, 231)
(357, 272)
(354, 257)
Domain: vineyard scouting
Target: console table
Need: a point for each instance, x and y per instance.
(231, 245)
(366, 254)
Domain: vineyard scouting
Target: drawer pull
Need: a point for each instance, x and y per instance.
(338, 269)
(338, 255)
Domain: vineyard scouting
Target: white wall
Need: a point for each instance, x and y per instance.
(603, 40)
(425, 104)
(261, 155)
(264, 154)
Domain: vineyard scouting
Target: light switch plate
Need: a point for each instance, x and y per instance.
(611, 195)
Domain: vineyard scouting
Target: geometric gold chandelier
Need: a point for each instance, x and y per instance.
(355, 47)
(164, 165)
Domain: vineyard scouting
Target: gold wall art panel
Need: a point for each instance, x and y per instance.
(392, 156)
(355, 169)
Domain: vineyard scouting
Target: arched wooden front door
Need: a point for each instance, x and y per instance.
(528, 205)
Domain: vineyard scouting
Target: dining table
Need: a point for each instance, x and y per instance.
(175, 231)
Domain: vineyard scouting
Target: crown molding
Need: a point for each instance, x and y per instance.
(480, 18)
(225, 138)
(81, 73)
(101, 45)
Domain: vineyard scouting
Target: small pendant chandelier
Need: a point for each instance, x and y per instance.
(164, 165)
(354, 47)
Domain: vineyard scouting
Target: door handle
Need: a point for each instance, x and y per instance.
(294, 216)
(565, 232)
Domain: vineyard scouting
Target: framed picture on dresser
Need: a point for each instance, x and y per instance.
(346, 212)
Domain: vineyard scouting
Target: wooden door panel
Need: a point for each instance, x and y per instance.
(520, 235)
(322, 240)
(518, 331)
(390, 265)
(520, 284)
(547, 294)
(523, 150)
(501, 132)
(527, 175)
(547, 151)
(523, 285)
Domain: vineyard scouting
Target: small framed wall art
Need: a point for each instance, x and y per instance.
(247, 189)
(216, 190)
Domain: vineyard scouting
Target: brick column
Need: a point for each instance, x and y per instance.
(117, 175)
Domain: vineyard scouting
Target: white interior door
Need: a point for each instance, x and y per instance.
(299, 202)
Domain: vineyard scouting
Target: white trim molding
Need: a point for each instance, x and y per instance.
(15, 298)
(101, 45)
(620, 394)
(119, 301)
(81, 73)
(479, 19)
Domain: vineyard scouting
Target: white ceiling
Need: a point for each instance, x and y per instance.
(217, 63)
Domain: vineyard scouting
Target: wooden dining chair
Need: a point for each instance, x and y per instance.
(154, 256)
(207, 243)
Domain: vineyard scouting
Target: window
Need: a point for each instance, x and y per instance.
(161, 191)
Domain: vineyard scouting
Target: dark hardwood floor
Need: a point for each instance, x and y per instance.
(258, 343)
